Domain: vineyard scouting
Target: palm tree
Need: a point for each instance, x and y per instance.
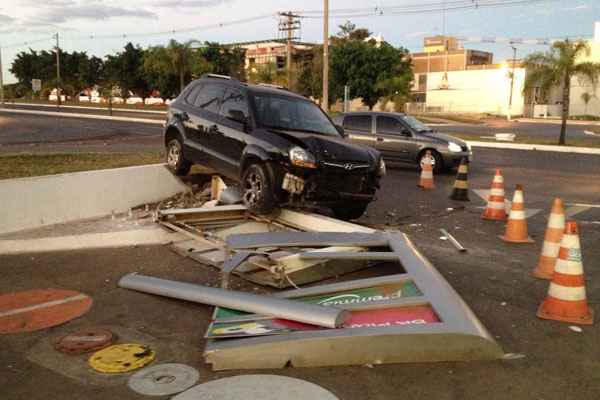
(556, 67)
(179, 59)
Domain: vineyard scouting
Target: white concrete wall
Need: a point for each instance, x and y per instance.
(33, 202)
(476, 91)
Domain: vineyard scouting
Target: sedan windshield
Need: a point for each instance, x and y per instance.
(291, 113)
(415, 124)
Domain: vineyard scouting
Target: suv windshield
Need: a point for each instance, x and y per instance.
(415, 124)
(291, 113)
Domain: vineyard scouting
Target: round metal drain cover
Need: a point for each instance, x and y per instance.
(163, 379)
(263, 387)
(85, 341)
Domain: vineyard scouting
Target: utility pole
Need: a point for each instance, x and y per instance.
(1, 80)
(325, 102)
(512, 82)
(57, 74)
(290, 24)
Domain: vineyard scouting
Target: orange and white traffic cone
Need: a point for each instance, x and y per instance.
(566, 300)
(496, 210)
(516, 228)
(554, 234)
(426, 181)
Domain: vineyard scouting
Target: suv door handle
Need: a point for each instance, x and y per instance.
(380, 139)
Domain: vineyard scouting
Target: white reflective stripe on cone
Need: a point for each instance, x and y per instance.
(498, 179)
(568, 267)
(497, 192)
(566, 293)
(556, 221)
(427, 174)
(517, 214)
(518, 197)
(495, 205)
(550, 249)
(570, 241)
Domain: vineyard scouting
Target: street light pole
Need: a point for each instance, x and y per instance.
(1, 79)
(57, 74)
(325, 104)
(512, 82)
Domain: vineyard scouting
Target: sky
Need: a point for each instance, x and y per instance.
(78, 21)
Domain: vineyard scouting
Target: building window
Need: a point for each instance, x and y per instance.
(252, 61)
(280, 62)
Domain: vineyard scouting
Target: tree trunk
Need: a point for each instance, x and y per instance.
(565, 109)
(181, 80)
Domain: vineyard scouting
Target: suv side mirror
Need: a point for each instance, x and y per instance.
(405, 132)
(340, 129)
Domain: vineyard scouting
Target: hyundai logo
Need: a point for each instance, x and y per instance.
(348, 166)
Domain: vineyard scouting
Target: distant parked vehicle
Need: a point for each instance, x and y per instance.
(154, 101)
(134, 100)
(403, 138)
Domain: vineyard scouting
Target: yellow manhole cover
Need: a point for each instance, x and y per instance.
(121, 358)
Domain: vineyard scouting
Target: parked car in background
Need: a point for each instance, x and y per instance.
(403, 138)
(280, 146)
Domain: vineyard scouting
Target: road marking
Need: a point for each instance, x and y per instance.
(484, 193)
(536, 147)
(43, 305)
(85, 116)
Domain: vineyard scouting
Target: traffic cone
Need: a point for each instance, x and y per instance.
(516, 228)
(461, 184)
(496, 210)
(426, 181)
(566, 300)
(554, 234)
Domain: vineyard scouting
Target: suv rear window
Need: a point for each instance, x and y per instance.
(360, 123)
(210, 97)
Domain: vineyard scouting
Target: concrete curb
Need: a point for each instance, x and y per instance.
(556, 121)
(29, 203)
(138, 237)
(85, 116)
(535, 147)
(119, 109)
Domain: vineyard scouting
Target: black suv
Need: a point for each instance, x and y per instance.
(281, 146)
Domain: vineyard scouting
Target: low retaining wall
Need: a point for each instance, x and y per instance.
(28, 203)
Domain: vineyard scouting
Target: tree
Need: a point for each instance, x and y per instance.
(556, 68)
(180, 60)
(348, 31)
(125, 68)
(586, 97)
(225, 60)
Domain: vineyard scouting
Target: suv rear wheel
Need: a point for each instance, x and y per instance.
(175, 160)
(258, 191)
(346, 211)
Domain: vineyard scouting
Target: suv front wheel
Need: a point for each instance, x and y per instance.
(175, 160)
(348, 211)
(258, 191)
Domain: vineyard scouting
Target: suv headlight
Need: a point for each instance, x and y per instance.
(381, 170)
(302, 158)
(454, 148)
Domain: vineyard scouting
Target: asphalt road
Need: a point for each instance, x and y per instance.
(493, 278)
(534, 129)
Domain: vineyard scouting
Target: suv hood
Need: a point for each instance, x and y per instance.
(329, 148)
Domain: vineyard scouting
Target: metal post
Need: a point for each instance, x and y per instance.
(57, 74)
(346, 90)
(1, 80)
(512, 82)
(290, 22)
(325, 103)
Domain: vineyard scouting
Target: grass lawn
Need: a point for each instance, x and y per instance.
(25, 165)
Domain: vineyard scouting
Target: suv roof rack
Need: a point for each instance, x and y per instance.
(271, 85)
(217, 76)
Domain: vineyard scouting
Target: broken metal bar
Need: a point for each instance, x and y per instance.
(305, 239)
(328, 317)
(452, 240)
(231, 264)
(348, 255)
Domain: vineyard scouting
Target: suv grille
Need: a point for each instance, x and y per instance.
(347, 166)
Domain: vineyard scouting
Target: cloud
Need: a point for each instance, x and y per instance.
(189, 3)
(5, 19)
(68, 10)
